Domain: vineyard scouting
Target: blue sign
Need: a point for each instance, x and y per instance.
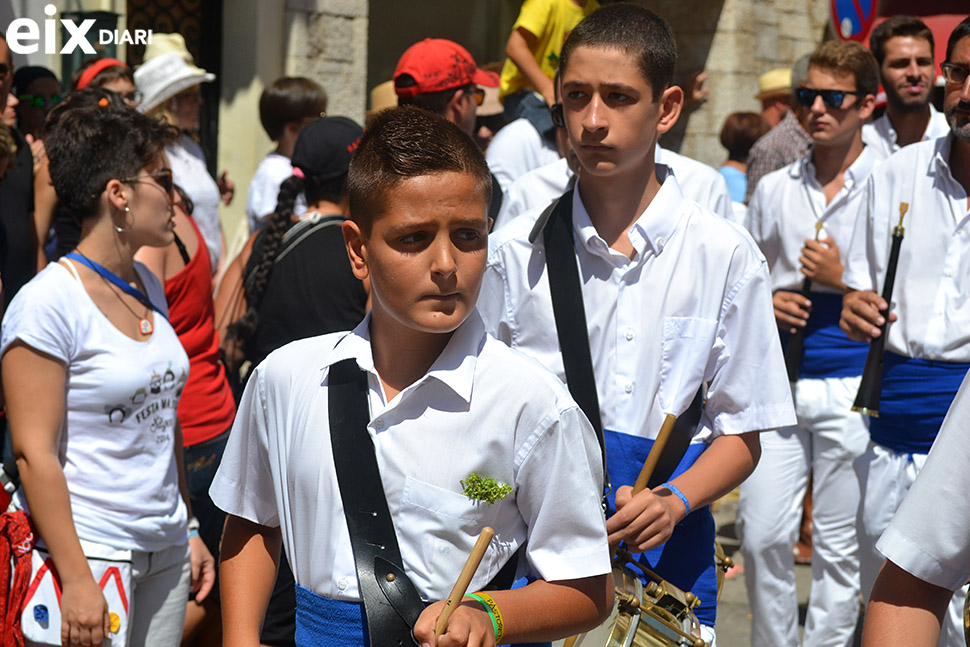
(853, 19)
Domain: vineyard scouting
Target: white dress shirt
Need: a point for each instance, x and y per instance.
(692, 305)
(929, 536)
(932, 290)
(480, 408)
(699, 182)
(516, 149)
(880, 136)
(540, 186)
(787, 205)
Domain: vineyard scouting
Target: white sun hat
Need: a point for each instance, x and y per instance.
(166, 74)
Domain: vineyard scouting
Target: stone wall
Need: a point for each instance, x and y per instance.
(734, 41)
(327, 41)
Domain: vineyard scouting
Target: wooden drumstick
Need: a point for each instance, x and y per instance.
(461, 584)
(654, 456)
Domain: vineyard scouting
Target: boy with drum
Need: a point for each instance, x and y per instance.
(672, 297)
(442, 406)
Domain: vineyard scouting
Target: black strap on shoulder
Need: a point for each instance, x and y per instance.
(555, 224)
(182, 250)
(391, 605)
(569, 310)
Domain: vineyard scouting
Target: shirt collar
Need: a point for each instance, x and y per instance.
(454, 367)
(651, 230)
(941, 154)
(857, 172)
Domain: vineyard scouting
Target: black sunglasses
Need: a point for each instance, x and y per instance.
(163, 178)
(831, 98)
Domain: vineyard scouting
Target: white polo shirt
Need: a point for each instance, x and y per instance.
(693, 305)
(480, 408)
(540, 186)
(929, 536)
(880, 136)
(932, 290)
(787, 205)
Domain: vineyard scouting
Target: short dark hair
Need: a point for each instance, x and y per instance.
(89, 145)
(960, 32)
(640, 32)
(435, 102)
(404, 143)
(739, 133)
(897, 26)
(848, 57)
(290, 99)
(107, 75)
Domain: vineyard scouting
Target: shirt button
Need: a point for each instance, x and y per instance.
(629, 334)
(660, 244)
(628, 388)
(342, 583)
(379, 423)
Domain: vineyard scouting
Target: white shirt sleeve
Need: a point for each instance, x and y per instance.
(566, 452)
(742, 358)
(245, 485)
(860, 268)
(929, 536)
(41, 315)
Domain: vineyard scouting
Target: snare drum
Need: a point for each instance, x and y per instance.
(655, 614)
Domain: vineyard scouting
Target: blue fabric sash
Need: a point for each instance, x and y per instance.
(916, 394)
(323, 622)
(687, 559)
(827, 351)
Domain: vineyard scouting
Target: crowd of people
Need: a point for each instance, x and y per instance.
(433, 328)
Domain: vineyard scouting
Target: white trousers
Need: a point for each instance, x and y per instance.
(885, 478)
(826, 441)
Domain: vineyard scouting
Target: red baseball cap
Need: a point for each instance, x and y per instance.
(437, 65)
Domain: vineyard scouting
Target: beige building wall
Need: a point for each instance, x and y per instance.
(325, 40)
(735, 41)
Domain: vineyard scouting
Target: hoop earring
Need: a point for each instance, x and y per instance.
(123, 229)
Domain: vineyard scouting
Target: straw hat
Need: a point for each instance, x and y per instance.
(774, 83)
(168, 69)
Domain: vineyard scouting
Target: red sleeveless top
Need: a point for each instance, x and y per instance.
(207, 407)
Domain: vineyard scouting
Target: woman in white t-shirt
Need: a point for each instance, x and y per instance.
(92, 373)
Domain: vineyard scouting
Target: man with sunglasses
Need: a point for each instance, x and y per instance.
(927, 350)
(440, 76)
(903, 47)
(802, 217)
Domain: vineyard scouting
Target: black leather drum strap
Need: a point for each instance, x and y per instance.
(392, 605)
(569, 311)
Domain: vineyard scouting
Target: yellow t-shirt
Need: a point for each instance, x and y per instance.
(550, 21)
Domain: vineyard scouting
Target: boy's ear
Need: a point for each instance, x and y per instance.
(671, 103)
(356, 248)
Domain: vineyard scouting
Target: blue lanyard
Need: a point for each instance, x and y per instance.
(108, 275)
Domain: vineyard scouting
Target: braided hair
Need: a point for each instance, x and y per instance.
(255, 281)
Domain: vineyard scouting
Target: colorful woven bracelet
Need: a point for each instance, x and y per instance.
(497, 623)
(677, 493)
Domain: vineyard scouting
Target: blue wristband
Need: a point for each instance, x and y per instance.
(677, 493)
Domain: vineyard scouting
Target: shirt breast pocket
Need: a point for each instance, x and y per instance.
(687, 346)
(446, 524)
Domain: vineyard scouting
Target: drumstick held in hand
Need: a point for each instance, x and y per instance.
(461, 584)
(654, 456)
